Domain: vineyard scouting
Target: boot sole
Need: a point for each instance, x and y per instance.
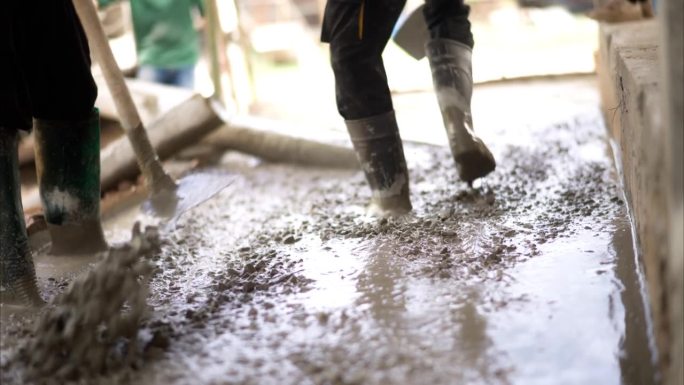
(77, 239)
(22, 292)
(390, 207)
(474, 164)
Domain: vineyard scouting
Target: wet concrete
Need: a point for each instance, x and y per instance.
(282, 279)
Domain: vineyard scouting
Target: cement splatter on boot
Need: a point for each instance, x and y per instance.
(68, 171)
(380, 152)
(451, 65)
(392, 201)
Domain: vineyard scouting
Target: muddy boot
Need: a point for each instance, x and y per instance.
(381, 155)
(453, 81)
(68, 167)
(17, 274)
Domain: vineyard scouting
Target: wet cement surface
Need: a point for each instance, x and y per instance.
(282, 279)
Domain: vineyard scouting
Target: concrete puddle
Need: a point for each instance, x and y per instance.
(573, 301)
(338, 264)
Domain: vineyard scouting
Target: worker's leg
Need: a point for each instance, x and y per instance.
(449, 51)
(17, 274)
(185, 77)
(68, 167)
(358, 32)
(150, 74)
(448, 19)
(179, 77)
(55, 61)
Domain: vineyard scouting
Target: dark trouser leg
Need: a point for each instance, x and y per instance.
(15, 108)
(448, 19)
(358, 33)
(54, 59)
(17, 274)
(449, 51)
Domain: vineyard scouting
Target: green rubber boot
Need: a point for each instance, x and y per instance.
(17, 273)
(68, 167)
(381, 155)
(452, 77)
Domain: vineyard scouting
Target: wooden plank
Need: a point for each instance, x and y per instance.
(180, 127)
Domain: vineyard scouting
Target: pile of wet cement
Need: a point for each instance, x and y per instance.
(92, 328)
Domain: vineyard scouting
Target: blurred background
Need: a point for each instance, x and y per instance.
(267, 59)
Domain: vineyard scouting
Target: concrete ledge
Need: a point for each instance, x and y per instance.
(629, 79)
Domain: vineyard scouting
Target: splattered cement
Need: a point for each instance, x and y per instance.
(529, 278)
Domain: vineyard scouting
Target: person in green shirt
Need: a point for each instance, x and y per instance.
(167, 43)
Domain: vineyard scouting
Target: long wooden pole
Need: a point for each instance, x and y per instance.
(147, 158)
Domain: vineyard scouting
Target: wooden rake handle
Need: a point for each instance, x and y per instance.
(148, 161)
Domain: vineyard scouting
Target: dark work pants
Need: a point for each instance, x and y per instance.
(358, 31)
(44, 63)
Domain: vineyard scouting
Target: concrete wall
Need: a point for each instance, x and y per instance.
(630, 91)
(640, 76)
(671, 17)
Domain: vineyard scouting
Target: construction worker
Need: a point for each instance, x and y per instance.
(358, 31)
(167, 43)
(46, 85)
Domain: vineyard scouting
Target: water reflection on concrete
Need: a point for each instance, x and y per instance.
(572, 315)
(570, 323)
(637, 349)
(419, 314)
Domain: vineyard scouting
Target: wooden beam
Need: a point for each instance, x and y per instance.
(257, 137)
(180, 127)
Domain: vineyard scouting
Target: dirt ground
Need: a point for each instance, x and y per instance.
(529, 278)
